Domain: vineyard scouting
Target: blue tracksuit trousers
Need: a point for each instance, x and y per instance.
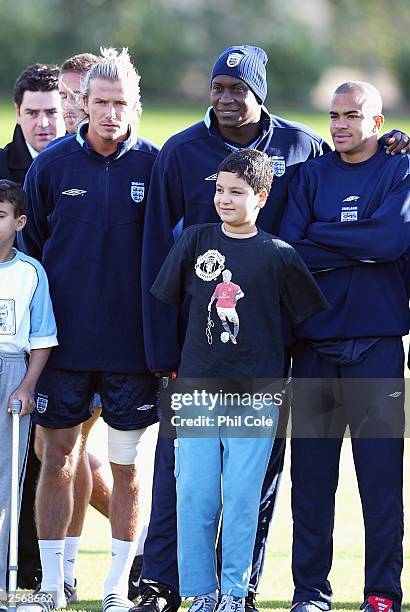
(367, 396)
(211, 472)
(160, 549)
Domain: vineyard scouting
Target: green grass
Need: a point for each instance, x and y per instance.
(159, 123)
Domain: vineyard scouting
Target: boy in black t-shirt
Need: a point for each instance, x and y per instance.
(251, 274)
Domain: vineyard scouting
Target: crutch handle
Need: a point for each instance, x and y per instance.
(15, 406)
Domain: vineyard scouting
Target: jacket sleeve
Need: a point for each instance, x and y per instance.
(4, 165)
(163, 218)
(296, 220)
(39, 206)
(383, 236)
(321, 148)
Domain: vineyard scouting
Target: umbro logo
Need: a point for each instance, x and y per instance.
(395, 394)
(145, 407)
(212, 177)
(351, 199)
(73, 192)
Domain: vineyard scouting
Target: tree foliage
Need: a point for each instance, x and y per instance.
(175, 42)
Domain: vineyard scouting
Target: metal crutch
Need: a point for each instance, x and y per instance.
(14, 504)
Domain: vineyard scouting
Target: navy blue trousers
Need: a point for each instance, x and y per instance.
(333, 398)
(160, 549)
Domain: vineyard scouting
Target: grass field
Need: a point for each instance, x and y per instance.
(158, 123)
(276, 586)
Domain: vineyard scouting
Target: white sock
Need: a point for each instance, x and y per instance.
(52, 555)
(71, 547)
(123, 554)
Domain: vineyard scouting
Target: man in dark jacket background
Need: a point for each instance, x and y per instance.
(39, 119)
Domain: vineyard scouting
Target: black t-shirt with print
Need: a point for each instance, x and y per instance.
(246, 281)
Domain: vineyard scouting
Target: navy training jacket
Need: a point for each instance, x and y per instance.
(85, 223)
(350, 223)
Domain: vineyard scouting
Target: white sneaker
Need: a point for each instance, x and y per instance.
(39, 601)
(115, 603)
(230, 603)
(203, 603)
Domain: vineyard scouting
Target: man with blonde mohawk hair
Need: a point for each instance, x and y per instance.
(85, 215)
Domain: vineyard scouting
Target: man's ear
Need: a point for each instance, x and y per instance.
(17, 113)
(378, 123)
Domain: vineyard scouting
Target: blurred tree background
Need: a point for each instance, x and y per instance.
(174, 42)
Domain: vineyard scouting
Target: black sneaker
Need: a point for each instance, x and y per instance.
(134, 578)
(250, 602)
(29, 580)
(156, 598)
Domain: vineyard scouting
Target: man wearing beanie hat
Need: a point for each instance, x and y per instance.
(247, 64)
(181, 194)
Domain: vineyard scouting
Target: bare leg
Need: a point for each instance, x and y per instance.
(124, 502)
(54, 498)
(124, 515)
(83, 484)
(91, 480)
(90, 485)
(101, 491)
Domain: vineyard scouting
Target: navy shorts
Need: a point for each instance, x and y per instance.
(63, 398)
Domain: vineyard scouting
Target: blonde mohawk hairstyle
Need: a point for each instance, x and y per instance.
(114, 66)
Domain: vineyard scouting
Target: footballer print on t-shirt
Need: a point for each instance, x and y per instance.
(7, 317)
(226, 295)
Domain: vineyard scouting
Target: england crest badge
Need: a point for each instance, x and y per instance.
(233, 59)
(279, 166)
(137, 191)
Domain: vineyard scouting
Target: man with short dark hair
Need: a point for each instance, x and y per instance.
(346, 216)
(39, 121)
(38, 116)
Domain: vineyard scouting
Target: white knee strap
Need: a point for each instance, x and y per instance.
(123, 445)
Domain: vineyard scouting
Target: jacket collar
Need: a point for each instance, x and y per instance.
(19, 157)
(122, 148)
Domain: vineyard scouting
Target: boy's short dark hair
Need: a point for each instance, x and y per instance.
(254, 167)
(80, 63)
(13, 193)
(37, 77)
